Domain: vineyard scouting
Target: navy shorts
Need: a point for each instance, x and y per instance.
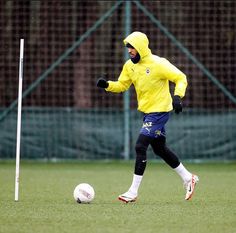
(154, 124)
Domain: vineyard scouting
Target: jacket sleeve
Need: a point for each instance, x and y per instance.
(176, 76)
(122, 84)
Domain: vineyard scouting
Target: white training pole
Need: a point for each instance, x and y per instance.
(17, 178)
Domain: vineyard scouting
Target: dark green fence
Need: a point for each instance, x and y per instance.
(83, 134)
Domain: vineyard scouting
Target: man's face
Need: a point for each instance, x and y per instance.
(132, 52)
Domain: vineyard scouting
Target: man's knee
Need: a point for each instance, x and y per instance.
(141, 154)
(140, 148)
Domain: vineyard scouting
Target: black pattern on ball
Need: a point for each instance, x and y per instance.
(79, 201)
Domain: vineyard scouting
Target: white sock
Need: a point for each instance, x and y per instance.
(135, 184)
(183, 172)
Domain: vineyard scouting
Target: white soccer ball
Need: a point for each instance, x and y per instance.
(84, 193)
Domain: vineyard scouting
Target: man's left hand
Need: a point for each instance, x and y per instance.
(177, 105)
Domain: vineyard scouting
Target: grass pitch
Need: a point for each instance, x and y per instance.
(46, 201)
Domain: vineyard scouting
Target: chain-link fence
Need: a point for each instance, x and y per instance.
(68, 44)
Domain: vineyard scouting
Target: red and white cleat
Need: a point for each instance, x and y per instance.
(128, 197)
(190, 186)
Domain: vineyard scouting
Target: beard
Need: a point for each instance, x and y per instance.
(135, 59)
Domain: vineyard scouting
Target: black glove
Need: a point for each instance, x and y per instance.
(101, 82)
(177, 105)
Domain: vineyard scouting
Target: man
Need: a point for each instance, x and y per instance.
(150, 76)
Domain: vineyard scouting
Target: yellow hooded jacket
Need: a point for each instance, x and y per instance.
(150, 76)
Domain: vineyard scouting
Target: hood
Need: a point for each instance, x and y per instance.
(140, 42)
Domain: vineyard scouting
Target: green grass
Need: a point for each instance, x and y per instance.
(46, 201)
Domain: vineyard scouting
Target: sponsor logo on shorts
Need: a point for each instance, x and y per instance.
(147, 124)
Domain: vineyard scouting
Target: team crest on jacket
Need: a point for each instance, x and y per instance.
(147, 70)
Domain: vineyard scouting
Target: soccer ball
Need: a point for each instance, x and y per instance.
(84, 193)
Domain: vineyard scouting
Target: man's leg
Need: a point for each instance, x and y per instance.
(189, 179)
(159, 147)
(140, 165)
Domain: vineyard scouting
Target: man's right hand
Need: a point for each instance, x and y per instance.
(102, 83)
